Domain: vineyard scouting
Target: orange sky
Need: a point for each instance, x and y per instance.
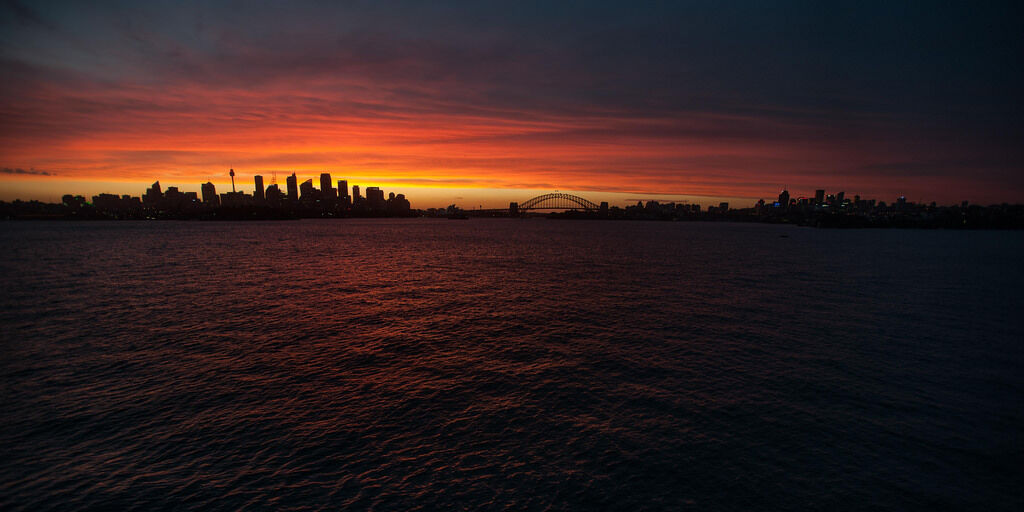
(479, 108)
(188, 137)
(120, 139)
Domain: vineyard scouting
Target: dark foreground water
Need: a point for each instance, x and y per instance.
(509, 365)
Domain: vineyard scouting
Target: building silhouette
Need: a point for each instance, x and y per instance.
(398, 204)
(119, 207)
(326, 192)
(375, 198)
(820, 210)
(210, 194)
(235, 199)
(784, 199)
(293, 188)
(258, 193)
(306, 191)
(153, 195)
(266, 202)
(273, 195)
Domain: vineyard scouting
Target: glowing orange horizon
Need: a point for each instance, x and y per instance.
(189, 134)
(666, 100)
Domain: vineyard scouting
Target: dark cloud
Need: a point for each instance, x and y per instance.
(988, 164)
(837, 61)
(33, 172)
(910, 89)
(26, 14)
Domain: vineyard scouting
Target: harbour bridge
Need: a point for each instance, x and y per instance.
(555, 201)
(552, 201)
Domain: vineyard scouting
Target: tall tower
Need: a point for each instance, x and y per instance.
(325, 186)
(259, 188)
(232, 174)
(306, 192)
(293, 187)
(209, 193)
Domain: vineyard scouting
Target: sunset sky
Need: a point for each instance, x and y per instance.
(482, 103)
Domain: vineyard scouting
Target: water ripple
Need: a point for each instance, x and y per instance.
(508, 365)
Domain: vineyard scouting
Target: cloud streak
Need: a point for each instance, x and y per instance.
(28, 172)
(691, 99)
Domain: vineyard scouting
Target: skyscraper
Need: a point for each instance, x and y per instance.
(293, 187)
(819, 196)
(210, 194)
(306, 191)
(375, 198)
(355, 194)
(258, 194)
(153, 195)
(326, 192)
(399, 205)
(273, 195)
(343, 189)
(784, 199)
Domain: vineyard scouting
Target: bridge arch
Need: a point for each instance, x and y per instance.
(558, 201)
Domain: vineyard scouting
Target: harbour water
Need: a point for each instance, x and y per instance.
(506, 364)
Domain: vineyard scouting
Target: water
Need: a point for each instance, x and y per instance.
(509, 365)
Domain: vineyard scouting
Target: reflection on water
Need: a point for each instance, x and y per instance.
(503, 364)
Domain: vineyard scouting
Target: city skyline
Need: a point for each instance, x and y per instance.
(432, 197)
(822, 208)
(511, 255)
(686, 100)
(342, 190)
(439, 196)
